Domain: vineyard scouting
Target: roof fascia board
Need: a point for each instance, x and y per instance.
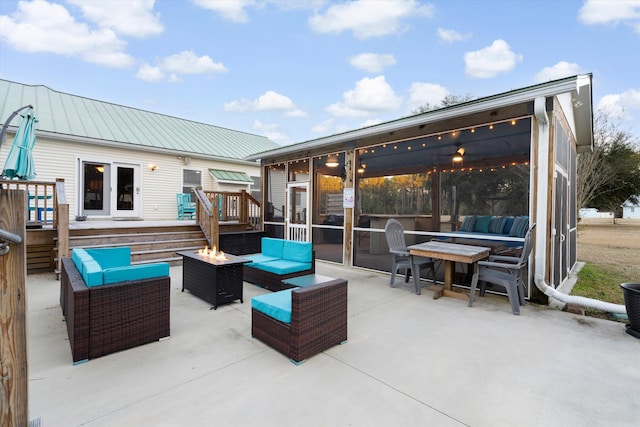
(483, 104)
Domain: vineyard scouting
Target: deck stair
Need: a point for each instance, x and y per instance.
(148, 243)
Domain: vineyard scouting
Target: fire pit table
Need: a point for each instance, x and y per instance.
(217, 280)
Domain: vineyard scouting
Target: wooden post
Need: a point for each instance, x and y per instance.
(348, 212)
(14, 410)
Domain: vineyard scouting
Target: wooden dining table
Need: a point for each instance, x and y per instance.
(451, 253)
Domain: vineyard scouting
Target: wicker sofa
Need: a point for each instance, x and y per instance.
(302, 322)
(109, 317)
(278, 260)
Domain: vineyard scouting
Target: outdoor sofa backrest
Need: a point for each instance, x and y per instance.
(103, 266)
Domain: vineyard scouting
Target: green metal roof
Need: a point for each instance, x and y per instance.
(87, 120)
(230, 176)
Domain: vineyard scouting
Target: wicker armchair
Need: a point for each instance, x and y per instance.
(109, 318)
(318, 321)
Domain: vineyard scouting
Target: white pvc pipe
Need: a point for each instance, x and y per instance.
(543, 188)
(581, 301)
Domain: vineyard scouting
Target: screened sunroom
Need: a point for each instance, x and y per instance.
(489, 161)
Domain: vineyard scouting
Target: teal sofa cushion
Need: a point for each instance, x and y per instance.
(111, 257)
(497, 224)
(508, 223)
(92, 273)
(520, 226)
(258, 258)
(276, 305)
(283, 266)
(135, 272)
(468, 223)
(297, 251)
(79, 257)
(482, 224)
(272, 247)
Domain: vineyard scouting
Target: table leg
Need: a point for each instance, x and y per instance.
(448, 279)
(448, 291)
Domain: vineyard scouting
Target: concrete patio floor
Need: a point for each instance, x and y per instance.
(410, 361)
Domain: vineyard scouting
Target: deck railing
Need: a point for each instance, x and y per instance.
(48, 207)
(237, 206)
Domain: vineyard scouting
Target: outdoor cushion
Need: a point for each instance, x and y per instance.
(297, 251)
(468, 222)
(508, 223)
(276, 305)
(283, 266)
(135, 272)
(520, 226)
(482, 224)
(497, 224)
(272, 247)
(258, 258)
(79, 257)
(92, 273)
(111, 257)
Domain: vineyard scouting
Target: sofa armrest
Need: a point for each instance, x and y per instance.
(318, 318)
(75, 308)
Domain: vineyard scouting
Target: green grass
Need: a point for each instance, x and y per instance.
(600, 282)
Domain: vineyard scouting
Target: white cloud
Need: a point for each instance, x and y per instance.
(40, 26)
(132, 18)
(323, 127)
(271, 131)
(269, 101)
(451, 36)
(296, 113)
(233, 10)
(491, 60)
(370, 122)
(558, 71)
(372, 62)
(425, 93)
(385, 18)
(370, 95)
(622, 106)
(597, 12)
(188, 62)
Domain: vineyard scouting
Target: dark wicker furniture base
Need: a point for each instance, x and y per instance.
(110, 318)
(218, 282)
(273, 281)
(318, 321)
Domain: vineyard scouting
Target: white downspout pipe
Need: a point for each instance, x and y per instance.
(539, 108)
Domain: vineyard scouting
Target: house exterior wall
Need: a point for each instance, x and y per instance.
(61, 159)
(631, 211)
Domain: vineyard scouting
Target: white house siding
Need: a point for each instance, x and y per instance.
(59, 159)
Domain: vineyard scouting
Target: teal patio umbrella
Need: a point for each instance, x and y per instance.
(19, 163)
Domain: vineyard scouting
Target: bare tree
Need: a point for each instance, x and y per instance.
(611, 173)
(445, 102)
(593, 170)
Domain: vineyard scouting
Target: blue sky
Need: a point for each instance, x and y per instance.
(295, 70)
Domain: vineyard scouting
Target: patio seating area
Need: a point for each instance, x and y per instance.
(409, 360)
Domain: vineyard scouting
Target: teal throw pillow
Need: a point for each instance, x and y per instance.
(468, 223)
(482, 223)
